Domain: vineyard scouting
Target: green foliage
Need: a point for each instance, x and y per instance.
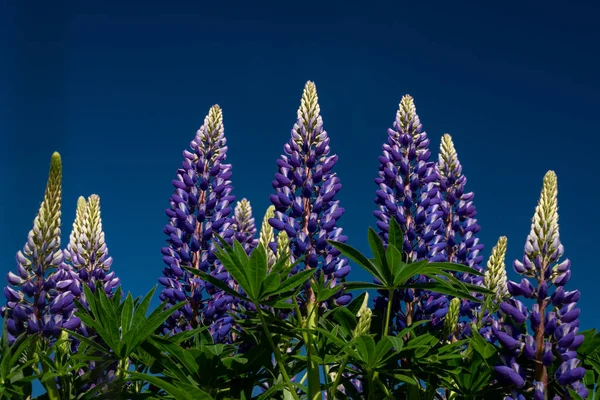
(16, 362)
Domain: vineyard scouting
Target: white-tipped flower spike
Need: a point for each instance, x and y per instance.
(78, 226)
(364, 323)
(363, 306)
(87, 252)
(243, 225)
(543, 239)
(364, 316)
(43, 244)
(34, 304)
(283, 246)
(267, 236)
(451, 320)
(97, 250)
(553, 316)
(495, 274)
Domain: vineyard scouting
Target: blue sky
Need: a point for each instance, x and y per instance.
(120, 88)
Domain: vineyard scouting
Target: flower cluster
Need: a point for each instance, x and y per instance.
(305, 203)
(87, 254)
(200, 208)
(409, 193)
(243, 225)
(530, 359)
(37, 300)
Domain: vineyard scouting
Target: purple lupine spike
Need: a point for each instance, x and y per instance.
(409, 192)
(554, 315)
(458, 213)
(86, 256)
(34, 303)
(243, 225)
(305, 204)
(200, 208)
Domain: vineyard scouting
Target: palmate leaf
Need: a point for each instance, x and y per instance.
(15, 372)
(121, 326)
(395, 237)
(180, 391)
(217, 282)
(290, 283)
(380, 262)
(257, 271)
(356, 256)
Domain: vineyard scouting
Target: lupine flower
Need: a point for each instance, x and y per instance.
(200, 208)
(409, 192)
(451, 319)
(553, 317)
(495, 273)
(267, 236)
(458, 213)
(34, 303)
(305, 203)
(243, 225)
(494, 280)
(87, 252)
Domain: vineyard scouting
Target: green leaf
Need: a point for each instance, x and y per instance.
(397, 342)
(127, 314)
(484, 348)
(270, 284)
(292, 282)
(362, 285)
(180, 392)
(218, 283)
(381, 353)
(454, 268)
(395, 237)
(357, 257)
(356, 303)
(148, 327)
(256, 271)
(365, 346)
(345, 319)
(442, 288)
(140, 311)
(234, 261)
(379, 253)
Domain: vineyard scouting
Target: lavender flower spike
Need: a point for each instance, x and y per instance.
(200, 208)
(495, 274)
(267, 236)
(460, 225)
(407, 190)
(87, 252)
(305, 203)
(409, 193)
(553, 317)
(33, 303)
(243, 225)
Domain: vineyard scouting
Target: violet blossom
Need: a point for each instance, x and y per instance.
(34, 302)
(200, 208)
(553, 318)
(305, 204)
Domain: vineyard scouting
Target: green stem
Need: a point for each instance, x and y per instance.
(338, 377)
(50, 385)
(388, 314)
(277, 353)
(371, 385)
(386, 327)
(314, 381)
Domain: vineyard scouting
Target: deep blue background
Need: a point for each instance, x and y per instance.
(119, 89)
